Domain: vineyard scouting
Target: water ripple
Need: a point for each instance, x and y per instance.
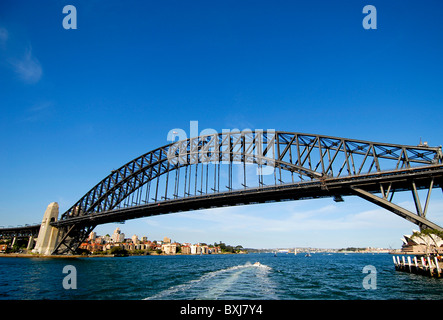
(213, 277)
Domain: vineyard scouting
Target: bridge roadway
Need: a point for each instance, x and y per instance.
(20, 231)
(364, 186)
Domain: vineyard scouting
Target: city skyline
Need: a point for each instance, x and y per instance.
(77, 104)
(143, 238)
(325, 225)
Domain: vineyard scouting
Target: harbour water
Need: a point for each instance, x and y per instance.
(322, 276)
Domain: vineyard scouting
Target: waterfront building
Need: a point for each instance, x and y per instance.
(103, 243)
(169, 248)
(196, 249)
(215, 250)
(91, 247)
(186, 249)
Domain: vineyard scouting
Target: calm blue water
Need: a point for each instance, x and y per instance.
(321, 276)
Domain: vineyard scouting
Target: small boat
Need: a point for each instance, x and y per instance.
(307, 255)
(257, 264)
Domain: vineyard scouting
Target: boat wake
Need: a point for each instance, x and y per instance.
(228, 283)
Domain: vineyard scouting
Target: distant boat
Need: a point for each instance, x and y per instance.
(307, 255)
(295, 251)
(275, 254)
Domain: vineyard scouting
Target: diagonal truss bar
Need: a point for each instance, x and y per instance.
(402, 212)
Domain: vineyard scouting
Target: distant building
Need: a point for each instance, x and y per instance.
(205, 250)
(117, 236)
(215, 250)
(169, 248)
(92, 247)
(196, 249)
(117, 239)
(166, 240)
(186, 249)
(108, 246)
(128, 246)
(92, 236)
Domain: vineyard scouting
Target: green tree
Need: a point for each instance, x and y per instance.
(118, 251)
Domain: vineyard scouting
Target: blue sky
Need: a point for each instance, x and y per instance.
(76, 104)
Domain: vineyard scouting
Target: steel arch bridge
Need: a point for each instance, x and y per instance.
(247, 167)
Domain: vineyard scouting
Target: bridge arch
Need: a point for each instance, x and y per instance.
(248, 147)
(288, 159)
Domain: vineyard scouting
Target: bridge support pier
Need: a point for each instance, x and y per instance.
(30, 243)
(47, 236)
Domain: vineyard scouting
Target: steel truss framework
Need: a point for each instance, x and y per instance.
(254, 166)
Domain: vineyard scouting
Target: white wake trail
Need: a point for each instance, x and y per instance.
(191, 283)
(215, 288)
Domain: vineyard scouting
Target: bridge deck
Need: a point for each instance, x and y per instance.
(328, 187)
(23, 231)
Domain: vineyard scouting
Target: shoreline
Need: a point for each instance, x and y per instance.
(36, 255)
